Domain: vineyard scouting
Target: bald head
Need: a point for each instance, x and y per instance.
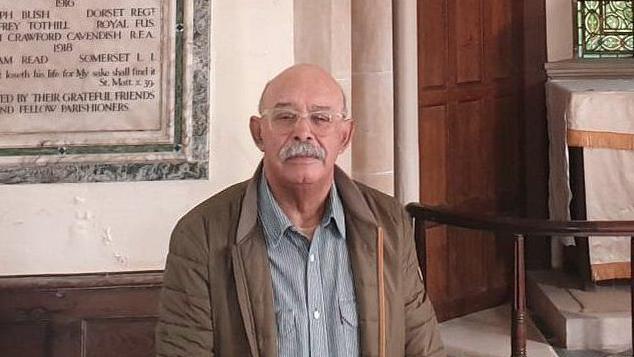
(298, 79)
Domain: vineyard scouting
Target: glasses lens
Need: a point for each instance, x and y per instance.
(321, 118)
(283, 119)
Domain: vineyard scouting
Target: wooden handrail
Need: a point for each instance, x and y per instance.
(525, 226)
(518, 228)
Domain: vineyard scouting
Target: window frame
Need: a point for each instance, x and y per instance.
(561, 38)
(576, 33)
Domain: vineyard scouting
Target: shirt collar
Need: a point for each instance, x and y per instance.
(275, 222)
(334, 211)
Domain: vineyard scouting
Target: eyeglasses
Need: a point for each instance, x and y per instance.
(283, 120)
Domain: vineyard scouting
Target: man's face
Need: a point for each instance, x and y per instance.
(300, 150)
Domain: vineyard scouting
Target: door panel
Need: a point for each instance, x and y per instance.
(502, 32)
(432, 66)
(470, 95)
(434, 120)
(468, 41)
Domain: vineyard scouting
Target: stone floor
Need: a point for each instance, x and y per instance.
(487, 333)
(589, 353)
(591, 319)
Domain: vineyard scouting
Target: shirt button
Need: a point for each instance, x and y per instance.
(311, 258)
(316, 314)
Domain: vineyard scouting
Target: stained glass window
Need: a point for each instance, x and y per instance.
(605, 28)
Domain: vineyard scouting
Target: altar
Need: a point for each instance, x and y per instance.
(591, 135)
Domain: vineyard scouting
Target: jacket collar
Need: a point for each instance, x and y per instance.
(353, 202)
(249, 210)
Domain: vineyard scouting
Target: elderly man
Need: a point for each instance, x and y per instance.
(299, 260)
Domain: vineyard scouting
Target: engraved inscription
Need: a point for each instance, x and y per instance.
(104, 90)
(84, 66)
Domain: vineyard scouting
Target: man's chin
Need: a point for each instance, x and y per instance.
(305, 171)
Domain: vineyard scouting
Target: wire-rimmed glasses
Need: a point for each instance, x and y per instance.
(283, 120)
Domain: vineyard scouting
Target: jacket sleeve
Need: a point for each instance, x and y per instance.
(184, 326)
(422, 337)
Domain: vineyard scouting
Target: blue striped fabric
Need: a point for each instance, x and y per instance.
(312, 281)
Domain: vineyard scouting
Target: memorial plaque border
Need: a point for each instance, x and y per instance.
(186, 158)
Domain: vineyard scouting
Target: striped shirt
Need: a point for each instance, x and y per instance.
(314, 298)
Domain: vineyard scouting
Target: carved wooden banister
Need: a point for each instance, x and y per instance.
(518, 228)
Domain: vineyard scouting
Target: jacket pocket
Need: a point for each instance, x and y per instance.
(287, 340)
(349, 325)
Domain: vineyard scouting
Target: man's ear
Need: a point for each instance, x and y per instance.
(347, 134)
(255, 126)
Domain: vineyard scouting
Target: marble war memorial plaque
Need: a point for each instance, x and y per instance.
(103, 90)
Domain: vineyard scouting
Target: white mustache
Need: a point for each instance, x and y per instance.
(302, 149)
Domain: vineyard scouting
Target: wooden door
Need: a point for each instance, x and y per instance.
(470, 131)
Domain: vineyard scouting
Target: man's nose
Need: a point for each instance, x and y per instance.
(303, 130)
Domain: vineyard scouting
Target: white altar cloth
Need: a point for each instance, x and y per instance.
(598, 115)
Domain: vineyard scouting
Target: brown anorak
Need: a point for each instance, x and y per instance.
(217, 298)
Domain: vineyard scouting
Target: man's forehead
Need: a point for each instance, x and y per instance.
(299, 101)
(303, 86)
